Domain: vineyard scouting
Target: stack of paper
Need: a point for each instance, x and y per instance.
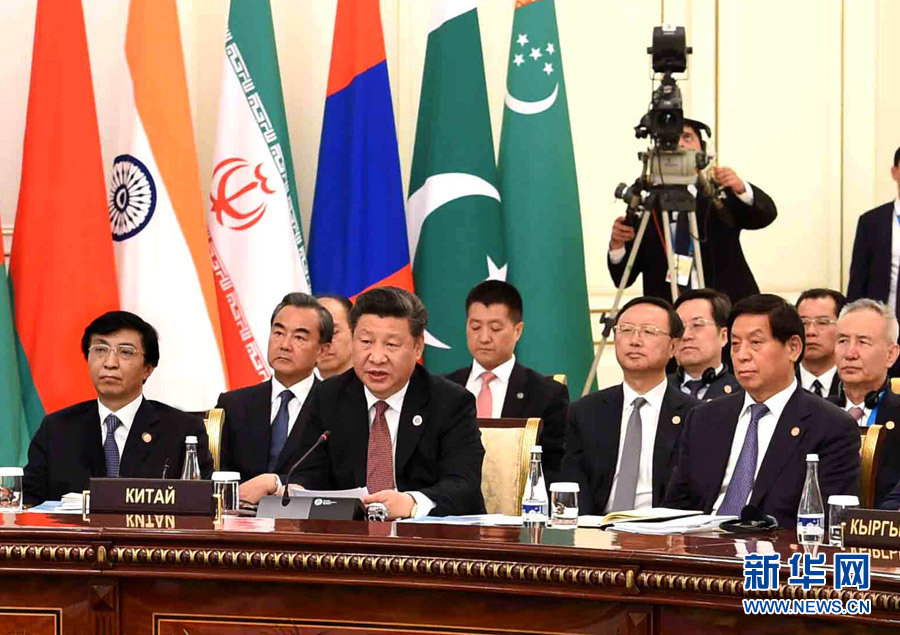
(72, 501)
(688, 525)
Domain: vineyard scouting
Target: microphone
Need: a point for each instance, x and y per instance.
(286, 497)
(165, 468)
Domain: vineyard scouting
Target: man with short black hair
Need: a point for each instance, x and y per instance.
(819, 310)
(620, 442)
(701, 373)
(502, 386)
(120, 433)
(746, 206)
(409, 436)
(263, 419)
(337, 358)
(750, 448)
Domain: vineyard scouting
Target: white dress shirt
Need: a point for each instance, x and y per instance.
(498, 386)
(392, 415)
(765, 430)
(807, 379)
(703, 389)
(895, 255)
(649, 418)
(301, 392)
(125, 414)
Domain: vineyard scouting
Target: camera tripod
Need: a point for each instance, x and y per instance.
(644, 213)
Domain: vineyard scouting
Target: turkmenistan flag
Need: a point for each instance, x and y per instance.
(539, 191)
(453, 214)
(14, 436)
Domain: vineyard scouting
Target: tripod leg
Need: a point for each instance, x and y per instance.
(670, 254)
(695, 237)
(607, 328)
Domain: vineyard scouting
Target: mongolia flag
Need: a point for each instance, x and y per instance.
(157, 212)
(62, 265)
(358, 228)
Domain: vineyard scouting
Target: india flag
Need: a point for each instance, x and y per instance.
(253, 212)
(157, 216)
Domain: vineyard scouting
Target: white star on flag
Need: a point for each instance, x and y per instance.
(522, 39)
(495, 272)
(550, 48)
(535, 53)
(519, 59)
(548, 68)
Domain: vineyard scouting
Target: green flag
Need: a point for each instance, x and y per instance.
(541, 216)
(453, 213)
(14, 434)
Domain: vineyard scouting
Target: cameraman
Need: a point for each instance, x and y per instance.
(725, 269)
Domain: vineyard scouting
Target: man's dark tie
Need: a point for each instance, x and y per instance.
(380, 454)
(818, 388)
(110, 449)
(694, 385)
(630, 465)
(744, 475)
(279, 429)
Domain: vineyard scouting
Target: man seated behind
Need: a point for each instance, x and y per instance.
(502, 386)
(409, 436)
(819, 310)
(620, 442)
(120, 433)
(701, 372)
(261, 420)
(336, 358)
(750, 448)
(865, 350)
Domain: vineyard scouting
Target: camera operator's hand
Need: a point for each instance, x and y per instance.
(728, 178)
(621, 234)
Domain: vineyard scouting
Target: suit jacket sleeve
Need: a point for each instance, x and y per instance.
(458, 489)
(35, 484)
(893, 499)
(742, 216)
(573, 464)
(679, 494)
(553, 434)
(226, 463)
(839, 464)
(616, 271)
(857, 287)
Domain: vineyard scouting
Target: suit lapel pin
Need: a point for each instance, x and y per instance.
(889, 425)
(417, 420)
(520, 395)
(676, 420)
(146, 437)
(795, 431)
(727, 390)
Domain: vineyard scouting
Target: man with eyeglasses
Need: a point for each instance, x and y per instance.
(620, 442)
(701, 372)
(865, 350)
(819, 310)
(120, 433)
(750, 448)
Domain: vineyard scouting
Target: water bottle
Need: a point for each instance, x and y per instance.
(535, 504)
(811, 513)
(191, 469)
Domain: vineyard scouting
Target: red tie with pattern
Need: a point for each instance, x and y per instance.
(380, 458)
(484, 403)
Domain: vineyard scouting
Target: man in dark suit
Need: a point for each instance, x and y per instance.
(866, 348)
(620, 442)
(336, 358)
(750, 449)
(819, 310)
(409, 436)
(746, 206)
(502, 386)
(263, 419)
(120, 433)
(701, 373)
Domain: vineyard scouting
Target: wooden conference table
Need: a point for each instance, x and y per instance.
(117, 574)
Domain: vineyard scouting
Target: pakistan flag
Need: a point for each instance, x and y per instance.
(453, 212)
(541, 216)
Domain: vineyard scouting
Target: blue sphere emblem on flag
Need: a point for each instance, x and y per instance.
(132, 197)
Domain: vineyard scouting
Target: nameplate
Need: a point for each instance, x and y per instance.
(152, 496)
(872, 528)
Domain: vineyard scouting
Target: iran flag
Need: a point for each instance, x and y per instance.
(156, 211)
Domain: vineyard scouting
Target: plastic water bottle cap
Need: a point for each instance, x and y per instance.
(537, 448)
(190, 439)
(843, 500)
(226, 476)
(561, 486)
(812, 457)
(11, 471)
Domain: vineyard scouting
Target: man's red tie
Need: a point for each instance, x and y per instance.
(380, 458)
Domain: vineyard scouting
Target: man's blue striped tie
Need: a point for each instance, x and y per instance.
(110, 449)
(744, 476)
